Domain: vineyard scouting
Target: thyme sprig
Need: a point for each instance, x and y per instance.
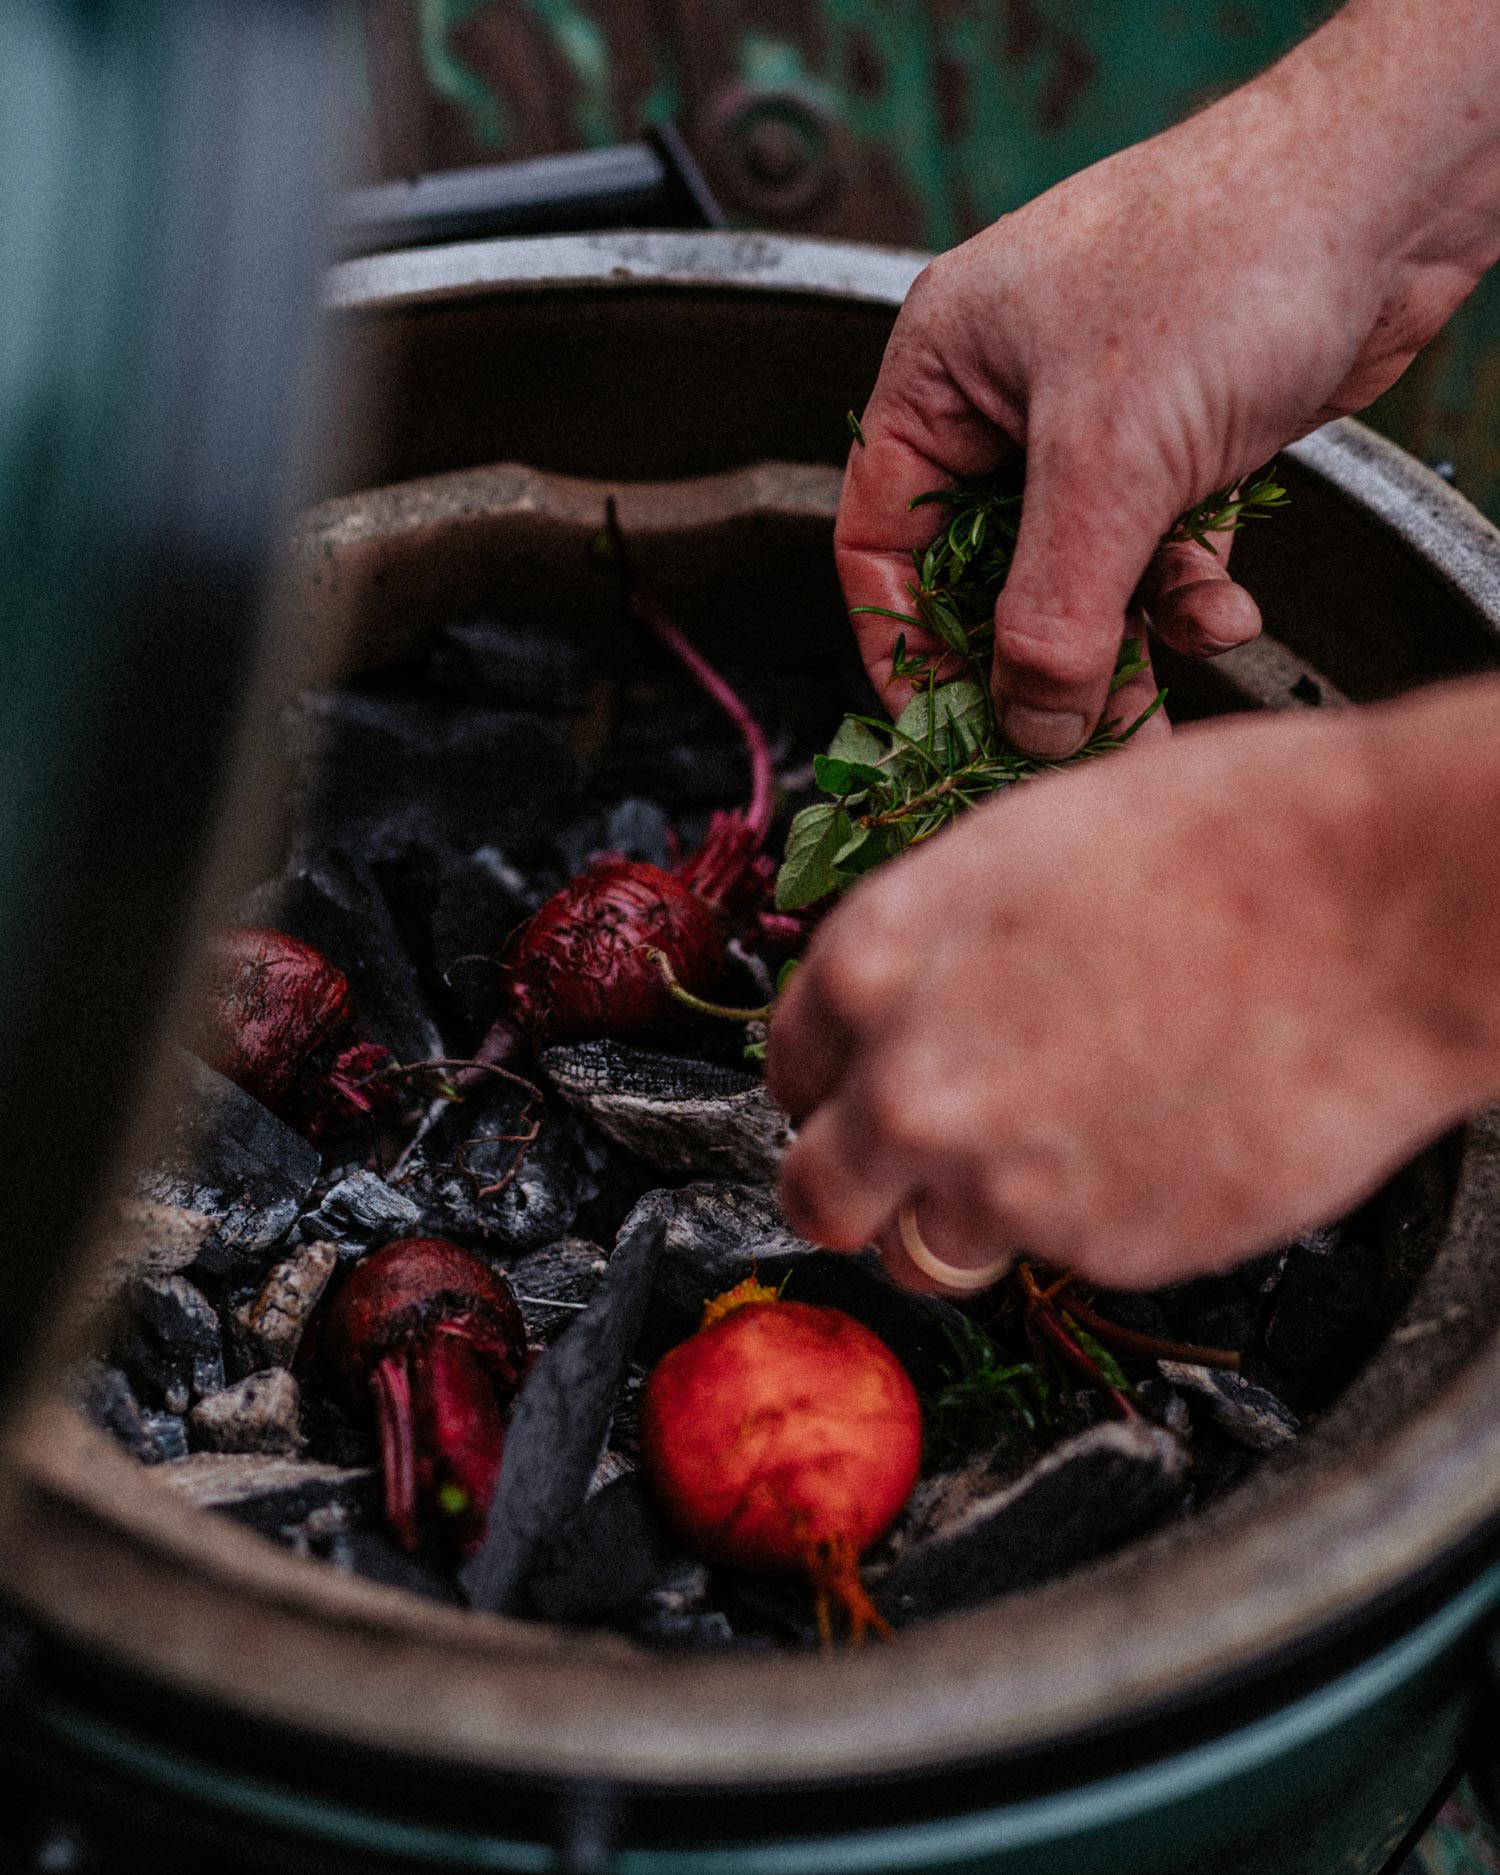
(892, 785)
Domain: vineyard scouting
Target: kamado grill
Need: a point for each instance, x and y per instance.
(1281, 1684)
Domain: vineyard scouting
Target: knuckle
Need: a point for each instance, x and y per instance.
(815, 1197)
(929, 284)
(1061, 655)
(898, 1118)
(854, 979)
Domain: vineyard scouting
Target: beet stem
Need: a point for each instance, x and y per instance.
(1050, 1325)
(390, 1381)
(670, 637)
(724, 1011)
(1152, 1347)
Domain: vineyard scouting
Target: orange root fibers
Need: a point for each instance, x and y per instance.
(833, 1570)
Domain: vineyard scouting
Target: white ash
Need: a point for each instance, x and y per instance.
(270, 1494)
(139, 1238)
(261, 1413)
(270, 1328)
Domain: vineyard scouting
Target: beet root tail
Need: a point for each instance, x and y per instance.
(464, 1433)
(833, 1569)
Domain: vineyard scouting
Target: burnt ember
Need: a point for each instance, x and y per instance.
(607, 1186)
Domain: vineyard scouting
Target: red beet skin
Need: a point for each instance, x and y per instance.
(282, 1028)
(579, 966)
(434, 1338)
(783, 1438)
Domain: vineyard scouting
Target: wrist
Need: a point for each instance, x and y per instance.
(1391, 115)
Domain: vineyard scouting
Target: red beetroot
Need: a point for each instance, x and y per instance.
(783, 1438)
(579, 967)
(434, 1339)
(282, 1028)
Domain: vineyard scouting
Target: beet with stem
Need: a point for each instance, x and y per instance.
(434, 1340)
(581, 967)
(281, 1027)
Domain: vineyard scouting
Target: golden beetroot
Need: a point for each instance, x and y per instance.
(783, 1438)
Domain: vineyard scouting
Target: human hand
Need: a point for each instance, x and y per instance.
(1156, 327)
(1147, 1018)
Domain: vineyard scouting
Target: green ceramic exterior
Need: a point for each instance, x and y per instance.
(1328, 1784)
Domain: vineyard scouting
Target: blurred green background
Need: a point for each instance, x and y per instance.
(910, 121)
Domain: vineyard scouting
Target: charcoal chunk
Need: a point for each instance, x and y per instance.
(238, 1164)
(562, 1418)
(1327, 1319)
(1224, 1311)
(639, 829)
(170, 1343)
(691, 1629)
(478, 900)
(360, 1213)
(613, 1563)
(269, 1327)
(333, 901)
(474, 1149)
(718, 1234)
(526, 667)
(257, 1414)
(168, 1435)
(269, 1494)
(383, 772)
(106, 1396)
(676, 1113)
(1081, 1499)
(555, 1283)
(1252, 1415)
(373, 1555)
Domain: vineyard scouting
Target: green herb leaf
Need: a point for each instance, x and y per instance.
(807, 872)
(835, 776)
(854, 430)
(856, 741)
(960, 705)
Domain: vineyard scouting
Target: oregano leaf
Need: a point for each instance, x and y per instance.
(807, 871)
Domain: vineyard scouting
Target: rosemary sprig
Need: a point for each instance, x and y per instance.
(892, 785)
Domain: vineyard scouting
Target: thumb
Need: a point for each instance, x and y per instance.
(1061, 614)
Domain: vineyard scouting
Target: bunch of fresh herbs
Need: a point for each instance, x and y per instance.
(894, 784)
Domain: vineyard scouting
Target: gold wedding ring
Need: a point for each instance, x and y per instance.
(951, 1275)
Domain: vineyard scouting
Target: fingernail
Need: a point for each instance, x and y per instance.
(1048, 733)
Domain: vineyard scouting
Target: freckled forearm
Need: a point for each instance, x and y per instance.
(1394, 106)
